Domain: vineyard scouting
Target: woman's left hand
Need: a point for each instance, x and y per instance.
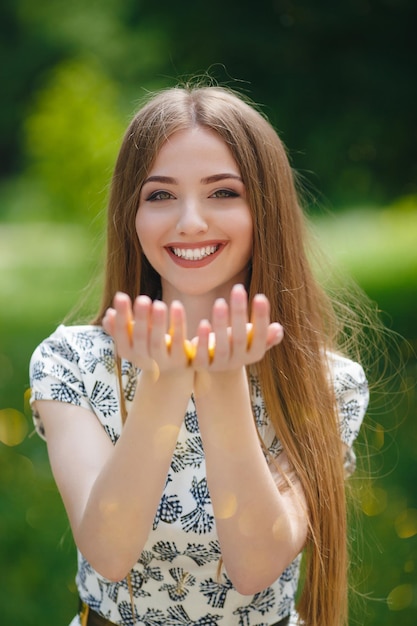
(231, 341)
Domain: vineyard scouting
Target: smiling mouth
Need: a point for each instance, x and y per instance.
(194, 254)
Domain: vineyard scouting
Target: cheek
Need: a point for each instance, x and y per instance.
(246, 235)
(144, 235)
(138, 224)
(142, 225)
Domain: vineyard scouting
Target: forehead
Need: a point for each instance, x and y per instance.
(192, 147)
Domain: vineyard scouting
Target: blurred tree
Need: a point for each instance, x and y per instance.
(36, 37)
(26, 53)
(336, 78)
(73, 134)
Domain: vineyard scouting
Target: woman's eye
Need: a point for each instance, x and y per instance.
(159, 195)
(225, 193)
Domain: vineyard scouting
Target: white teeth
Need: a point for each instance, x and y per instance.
(195, 254)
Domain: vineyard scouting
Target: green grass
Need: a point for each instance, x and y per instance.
(379, 247)
(43, 270)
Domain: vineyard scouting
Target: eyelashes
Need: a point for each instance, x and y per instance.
(221, 194)
(159, 195)
(225, 193)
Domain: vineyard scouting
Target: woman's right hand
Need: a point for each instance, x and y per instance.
(140, 333)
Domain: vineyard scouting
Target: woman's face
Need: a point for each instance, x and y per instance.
(193, 222)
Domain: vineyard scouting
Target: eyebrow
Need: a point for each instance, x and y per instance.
(168, 180)
(217, 177)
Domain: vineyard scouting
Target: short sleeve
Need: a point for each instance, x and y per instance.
(352, 397)
(55, 374)
(271, 444)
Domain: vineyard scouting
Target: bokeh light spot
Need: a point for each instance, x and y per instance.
(400, 597)
(35, 517)
(280, 529)
(226, 506)
(13, 427)
(406, 524)
(26, 401)
(374, 501)
(165, 438)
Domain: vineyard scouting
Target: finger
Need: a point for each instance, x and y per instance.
(238, 319)
(220, 321)
(257, 336)
(211, 347)
(177, 332)
(202, 358)
(159, 324)
(122, 304)
(122, 321)
(108, 321)
(274, 336)
(141, 324)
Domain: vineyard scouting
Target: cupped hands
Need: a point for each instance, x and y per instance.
(151, 334)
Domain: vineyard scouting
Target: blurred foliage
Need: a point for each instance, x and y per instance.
(337, 79)
(387, 273)
(73, 133)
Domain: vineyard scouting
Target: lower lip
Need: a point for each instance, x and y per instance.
(194, 264)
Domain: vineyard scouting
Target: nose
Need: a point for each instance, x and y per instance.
(191, 220)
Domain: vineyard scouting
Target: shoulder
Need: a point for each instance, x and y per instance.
(78, 338)
(347, 375)
(69, 353)
(72, 353)
(69, 344)
(75, 365)
(351, 393)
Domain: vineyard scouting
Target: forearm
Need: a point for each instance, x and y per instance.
(124, 498)
(260, 531)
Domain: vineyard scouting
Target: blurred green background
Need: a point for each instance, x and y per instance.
(338, 80)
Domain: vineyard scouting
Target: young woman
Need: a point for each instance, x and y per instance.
(200, 429)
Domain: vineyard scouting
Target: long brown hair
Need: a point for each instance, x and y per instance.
(293, 376)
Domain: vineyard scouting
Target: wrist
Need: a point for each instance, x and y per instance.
(176, 379)
(219, 381)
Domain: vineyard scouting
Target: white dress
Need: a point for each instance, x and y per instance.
(175, 581)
